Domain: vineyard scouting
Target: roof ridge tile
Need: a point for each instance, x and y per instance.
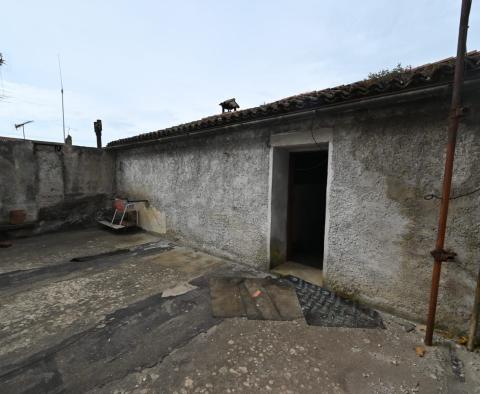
(423, 75)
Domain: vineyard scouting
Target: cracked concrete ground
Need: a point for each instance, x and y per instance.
(140, 322)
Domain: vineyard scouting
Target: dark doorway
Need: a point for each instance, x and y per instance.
(306, 207)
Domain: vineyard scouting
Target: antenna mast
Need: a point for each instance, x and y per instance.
(22, 125)
(61, 90)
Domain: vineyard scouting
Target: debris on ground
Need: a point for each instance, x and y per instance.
(256, 294)
(420, 351)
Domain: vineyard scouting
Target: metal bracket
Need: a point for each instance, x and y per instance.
(459, 112)
(443, 255)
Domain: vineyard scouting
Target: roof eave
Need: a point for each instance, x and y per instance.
(367, 102)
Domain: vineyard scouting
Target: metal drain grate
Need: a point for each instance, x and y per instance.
(324, 308)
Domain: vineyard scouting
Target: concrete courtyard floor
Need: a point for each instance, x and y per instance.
(139, 321)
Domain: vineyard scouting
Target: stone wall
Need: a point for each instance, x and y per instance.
(210, 192)
(57, 185)
(381, 229)
(215, 192)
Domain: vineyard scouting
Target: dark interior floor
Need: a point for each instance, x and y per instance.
(313, 258)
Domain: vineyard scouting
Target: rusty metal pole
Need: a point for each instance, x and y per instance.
(439, 253)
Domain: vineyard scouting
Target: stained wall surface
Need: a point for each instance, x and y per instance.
(57, 185)
(382, 229)
(215, 192)
(212, 192)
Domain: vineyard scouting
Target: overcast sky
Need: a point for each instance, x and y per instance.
(145, 65)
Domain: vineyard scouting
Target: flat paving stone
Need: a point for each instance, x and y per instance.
(254, 298)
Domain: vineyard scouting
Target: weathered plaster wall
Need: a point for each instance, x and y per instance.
(382, 229)
(212, 191)
(57, 187)
(279, 206)
(18, 179)
(216, 192)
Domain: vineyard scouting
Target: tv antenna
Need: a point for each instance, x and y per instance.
(61, 90)
(22, 125)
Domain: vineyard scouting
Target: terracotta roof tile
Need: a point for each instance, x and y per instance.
(428, 74)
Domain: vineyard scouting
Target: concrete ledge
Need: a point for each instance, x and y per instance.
(305, 139)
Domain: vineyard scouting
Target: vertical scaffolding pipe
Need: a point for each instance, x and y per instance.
(439, 253)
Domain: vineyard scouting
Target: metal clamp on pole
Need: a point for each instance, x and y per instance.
(443, 255)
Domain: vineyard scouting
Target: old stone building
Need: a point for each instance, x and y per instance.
(336, 179)
(339, 179)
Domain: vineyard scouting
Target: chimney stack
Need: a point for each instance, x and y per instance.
(98, 131)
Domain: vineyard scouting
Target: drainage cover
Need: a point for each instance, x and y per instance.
(324, 308)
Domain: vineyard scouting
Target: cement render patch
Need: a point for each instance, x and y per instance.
(142, 323)
(54, 302)
(42, 313)
(48, 249)
(165, 323)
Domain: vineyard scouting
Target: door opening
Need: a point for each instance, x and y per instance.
(307, 207)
